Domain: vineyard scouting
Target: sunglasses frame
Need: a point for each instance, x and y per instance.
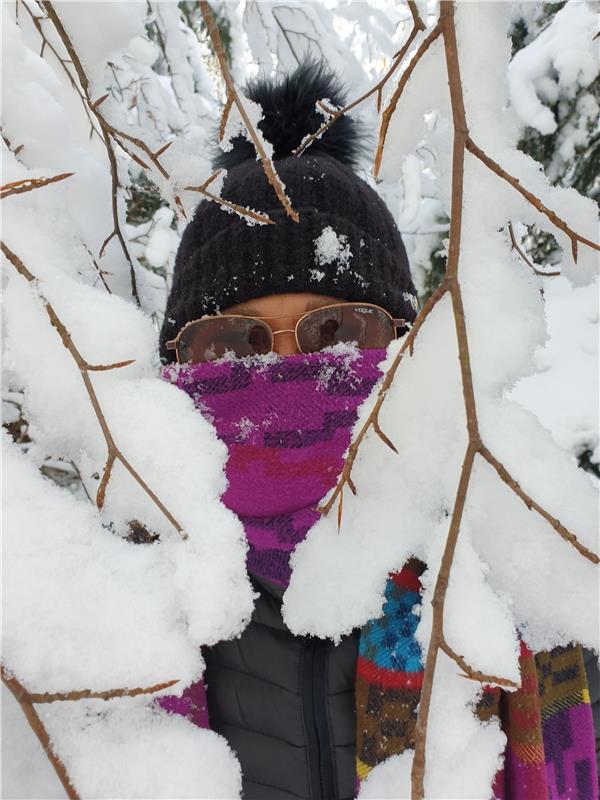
(173, 344)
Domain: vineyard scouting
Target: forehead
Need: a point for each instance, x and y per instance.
(282, 304)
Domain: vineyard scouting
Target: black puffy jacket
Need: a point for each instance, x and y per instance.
(285, 704)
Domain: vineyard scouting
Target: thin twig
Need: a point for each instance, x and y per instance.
(22, 697)
(37, 21)
(523, 255)
(27, 184)
(88, 694)
(389, 110)
(112, 159)
(439, 597)
(234, 98)
(535, 201)
(101, 272)
(247, 212)
(532, 505)
(336, 113)
(81, 481)
(9, 145)
(473, 674)
(114, 453)
(389, 376)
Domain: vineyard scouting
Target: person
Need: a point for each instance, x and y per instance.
(278, 331)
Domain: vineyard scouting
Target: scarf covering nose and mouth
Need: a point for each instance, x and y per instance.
(287, 423)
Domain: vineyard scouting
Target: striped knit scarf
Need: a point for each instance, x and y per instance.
(287, 423)
(550, 752)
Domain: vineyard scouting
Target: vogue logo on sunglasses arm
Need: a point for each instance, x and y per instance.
(211, 338)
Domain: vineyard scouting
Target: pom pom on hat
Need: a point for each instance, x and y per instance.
(289, 114)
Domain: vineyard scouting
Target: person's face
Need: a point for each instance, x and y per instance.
(287, 310)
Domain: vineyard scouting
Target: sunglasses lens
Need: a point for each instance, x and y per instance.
(368, 326)
(210, 339)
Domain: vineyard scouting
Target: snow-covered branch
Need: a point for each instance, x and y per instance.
(244, 108)
(335, 114)
(114, 452)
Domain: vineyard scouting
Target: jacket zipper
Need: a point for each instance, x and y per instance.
(314, 704)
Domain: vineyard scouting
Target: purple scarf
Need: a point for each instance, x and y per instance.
(287, 423)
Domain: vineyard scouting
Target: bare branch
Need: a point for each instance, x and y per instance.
(418, 25)
(389, 110)
(246, 212)
(88, 694)
(234, 98)
(389, 376)
(108, 131)
(112, 159)
(22, 697)
(535, 201)
(450, 285)
(114, 453)
(474, 674)
(531, 504)
(37, 20)
(520, 251)
(27, 184)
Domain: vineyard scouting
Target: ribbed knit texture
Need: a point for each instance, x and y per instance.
(287, 423)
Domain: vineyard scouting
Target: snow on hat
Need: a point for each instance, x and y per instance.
(346, 243)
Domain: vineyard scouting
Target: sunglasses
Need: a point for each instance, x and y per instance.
(210, 338)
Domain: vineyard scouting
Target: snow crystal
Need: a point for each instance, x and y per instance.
(255, 360)
(412, 299)
(246, 427)
(349, 352)
(331, 246)
(329, 104)
(343, 348)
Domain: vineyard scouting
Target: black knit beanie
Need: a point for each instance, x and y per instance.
(346, 243)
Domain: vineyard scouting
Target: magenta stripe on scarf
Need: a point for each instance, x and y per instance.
(287, 423)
